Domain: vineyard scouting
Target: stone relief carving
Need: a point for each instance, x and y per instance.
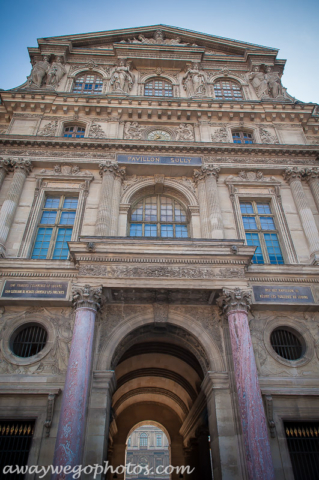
(55, 362)
(267, 137)
(184, 132)
(98, 270)
(248, 176)
(65, 170)
(236, 299)
(44, 74)
(49, 129)
(122, 79)
(158, 39)
(133, 130)
(220, 135)
(313, 140)
(194, 81)
(96, 131)
(266, 83)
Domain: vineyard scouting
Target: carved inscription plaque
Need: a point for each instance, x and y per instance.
(34, 289)
(282, 294)
(159, 159)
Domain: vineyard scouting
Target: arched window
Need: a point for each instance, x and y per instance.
(158, 216)
(158, 87)
(74, 131)
(143, 440)
(227, 90)
(88, 83)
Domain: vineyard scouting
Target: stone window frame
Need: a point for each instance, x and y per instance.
(158, 222)
(300, 330)
(14, 325)
(274, 198)
(51, 184)
(219, 76)
(82, 70)
(230, 128)
(72, 122)
(143, 79)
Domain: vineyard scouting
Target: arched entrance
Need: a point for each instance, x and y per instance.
(159, 370)
(147, 452)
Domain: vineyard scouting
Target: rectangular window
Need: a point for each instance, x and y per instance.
(15, 443)
(55, 228)
(260, 231)
(303, 445)
(158, 440)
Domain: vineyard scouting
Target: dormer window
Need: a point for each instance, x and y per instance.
(74, 131)
(158, 87)
(242, 137)
(227, 90)
(88, 83)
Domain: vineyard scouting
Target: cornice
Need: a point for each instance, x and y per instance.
(119, 145)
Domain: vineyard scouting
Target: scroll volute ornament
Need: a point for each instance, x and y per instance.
(236, 299)
(293, 173)
(85, 296)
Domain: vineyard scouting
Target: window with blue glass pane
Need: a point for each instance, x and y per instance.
(61, 250)
(42, 243)
(74, 131)
(242, 137)
(88, 83)
(260, 229)
(51, 241)
(273, 248)
(136, 230)
(153, 214)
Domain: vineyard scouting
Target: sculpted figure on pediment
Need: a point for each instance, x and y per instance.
(56, 73)
(266, 84)
(273, 83)
(194, 82)
(158, 39)
(38, 72)
(258, 80)
(122, 79)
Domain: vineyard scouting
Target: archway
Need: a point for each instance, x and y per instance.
(159, 370)
(147, 452)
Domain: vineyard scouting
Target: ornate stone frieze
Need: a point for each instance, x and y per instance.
(250, 176)
(220, 135)
(96, 131)
(64, 169)
(49, 129)
(123, 271)
(184, 132)
(158, 39)
(313, 140)
(133, 130)
(236, 299)
(85, 296)
(267, 137)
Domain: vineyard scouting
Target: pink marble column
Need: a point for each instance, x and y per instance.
(236, 304)
(71, 430)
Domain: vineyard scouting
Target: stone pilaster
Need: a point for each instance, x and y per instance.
(105, 224)
(5, 166)
(21, 170)
(199, 179)
(212, 217)
(235, 304)
(119, 176)
(294, 177)
(72, 422)
(312, 176)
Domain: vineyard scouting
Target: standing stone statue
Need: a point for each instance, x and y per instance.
(194, 82)
(55, 73)
(258, 81)
(38, 72)
(274, 83)
(121, 79)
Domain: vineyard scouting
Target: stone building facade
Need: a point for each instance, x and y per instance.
(159, 256)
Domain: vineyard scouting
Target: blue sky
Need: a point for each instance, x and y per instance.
(289, 25)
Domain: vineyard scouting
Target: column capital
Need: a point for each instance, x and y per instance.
(5, 163)
(85, 296)
(232, 300)
(293, 173)
(205, 171)
(112, 168)
(21, 164)
(311, 173)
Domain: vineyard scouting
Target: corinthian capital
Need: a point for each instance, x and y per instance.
(312, 173)
(206, 171)
(293, 173)
(112, 169)
(5, 163)
(236, 299)
(84, 296)
(22, 165)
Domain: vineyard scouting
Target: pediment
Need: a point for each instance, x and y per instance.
(157, 37)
